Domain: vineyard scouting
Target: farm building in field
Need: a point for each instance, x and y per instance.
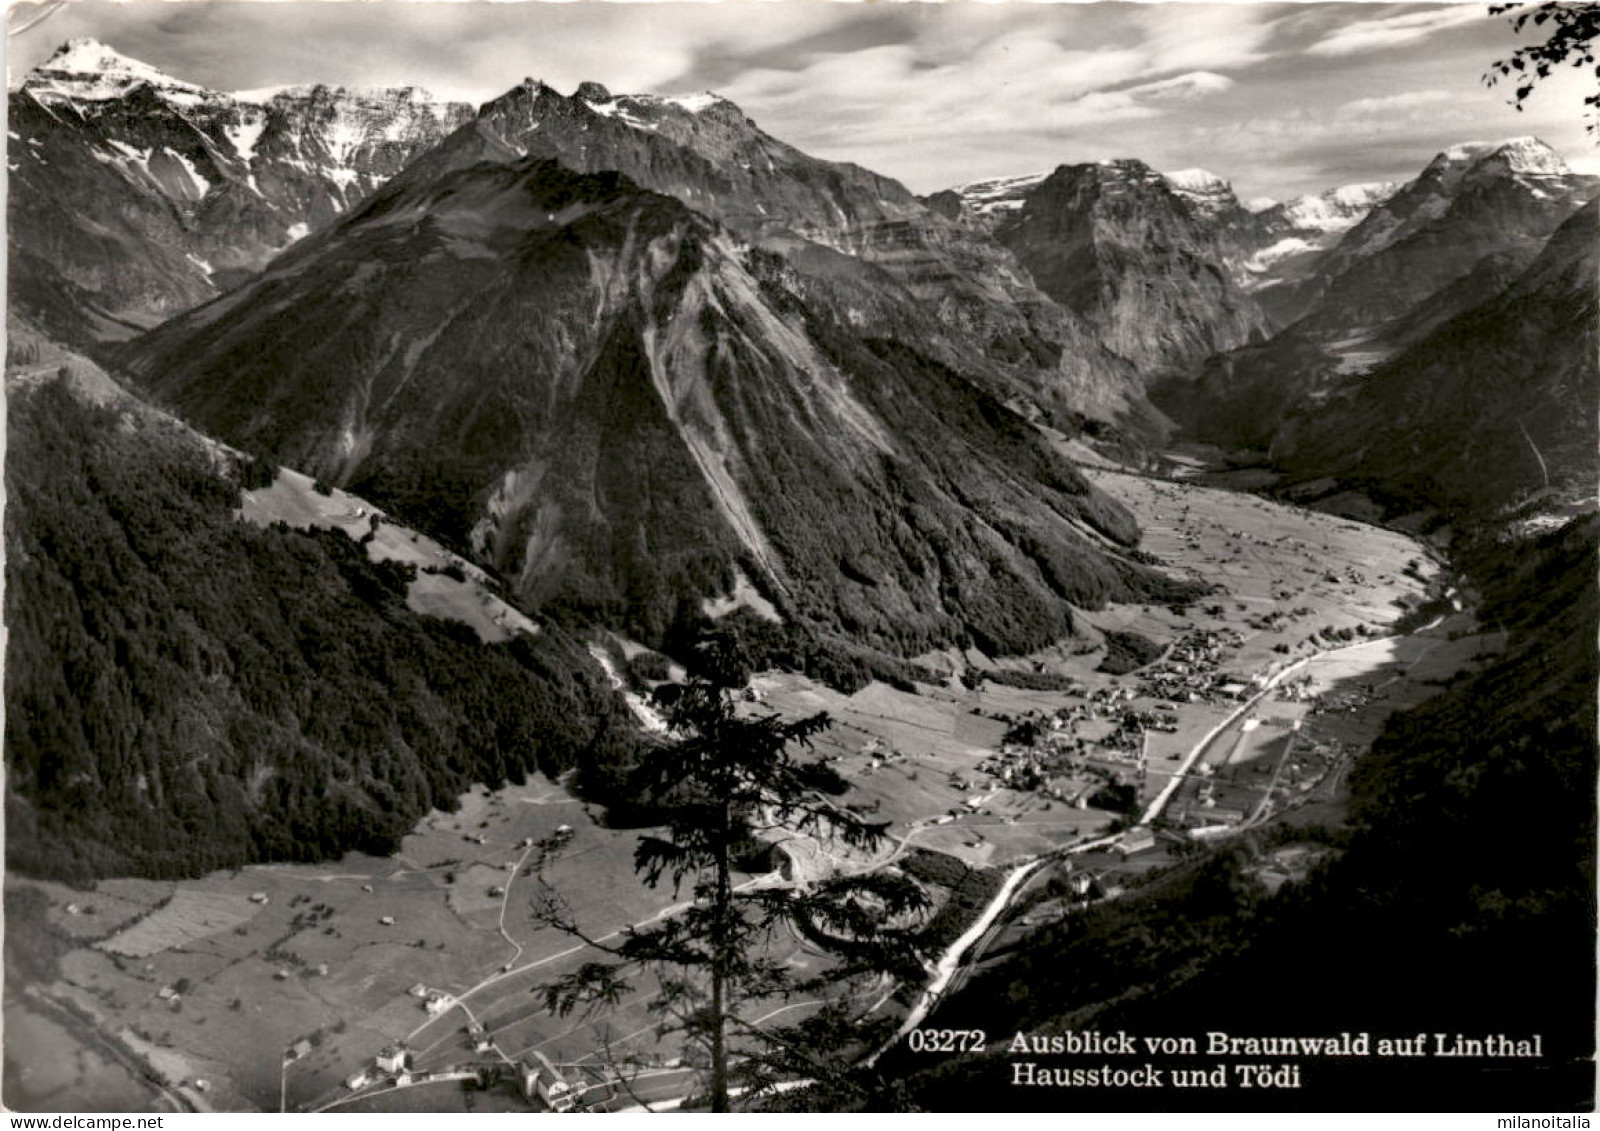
(357, 1080)
(437, 1003)
(542, 1079)
(258, 897)
(300, 1049)
(418, 991)
(1136, 840)
(393, 1058)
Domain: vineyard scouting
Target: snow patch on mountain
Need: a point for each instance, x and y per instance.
(1268, 257)
(1197, 180)
(197, 185)
(644, 111)
(696, 103)
(998, 195)
(244, 134)
(622, 110)
(1338, 209)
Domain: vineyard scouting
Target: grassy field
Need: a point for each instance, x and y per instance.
(446, 586)
(190, 916)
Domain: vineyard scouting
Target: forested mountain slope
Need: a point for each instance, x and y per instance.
(186, 691)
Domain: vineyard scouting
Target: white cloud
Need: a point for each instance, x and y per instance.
(1196, 84)
(1193, 37)
(1393, 31)
(1399, 103)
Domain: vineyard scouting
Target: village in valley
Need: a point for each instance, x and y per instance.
(413, 982)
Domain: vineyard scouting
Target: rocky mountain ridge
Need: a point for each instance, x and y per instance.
(135, 195)
(616, 404)
(855, 239)
(1405, 311)
(1139, 256)
(1263, 244)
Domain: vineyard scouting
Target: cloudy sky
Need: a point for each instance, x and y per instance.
(1279, 98)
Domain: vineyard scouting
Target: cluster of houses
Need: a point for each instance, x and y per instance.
(1044, 753)
(537, 1077)
(1188, 673)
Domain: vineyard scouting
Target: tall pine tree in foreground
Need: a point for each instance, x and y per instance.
(728, 785)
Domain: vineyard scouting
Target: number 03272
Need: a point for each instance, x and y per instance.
(946, 1040)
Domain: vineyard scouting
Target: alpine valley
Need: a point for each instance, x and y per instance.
(1200, 593)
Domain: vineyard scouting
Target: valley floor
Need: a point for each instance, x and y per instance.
(1263, 694)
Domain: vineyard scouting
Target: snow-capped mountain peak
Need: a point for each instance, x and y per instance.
(210, 185)
(1530, 155)
(1207, 193)
(1517, 154)
(88, 70)
(1197, 180)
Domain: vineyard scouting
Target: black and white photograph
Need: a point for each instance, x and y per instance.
(801, 556)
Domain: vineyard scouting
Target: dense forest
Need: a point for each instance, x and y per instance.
(1460, 900)
(187, 692)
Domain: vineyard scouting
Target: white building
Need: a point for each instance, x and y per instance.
(543, 1079)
